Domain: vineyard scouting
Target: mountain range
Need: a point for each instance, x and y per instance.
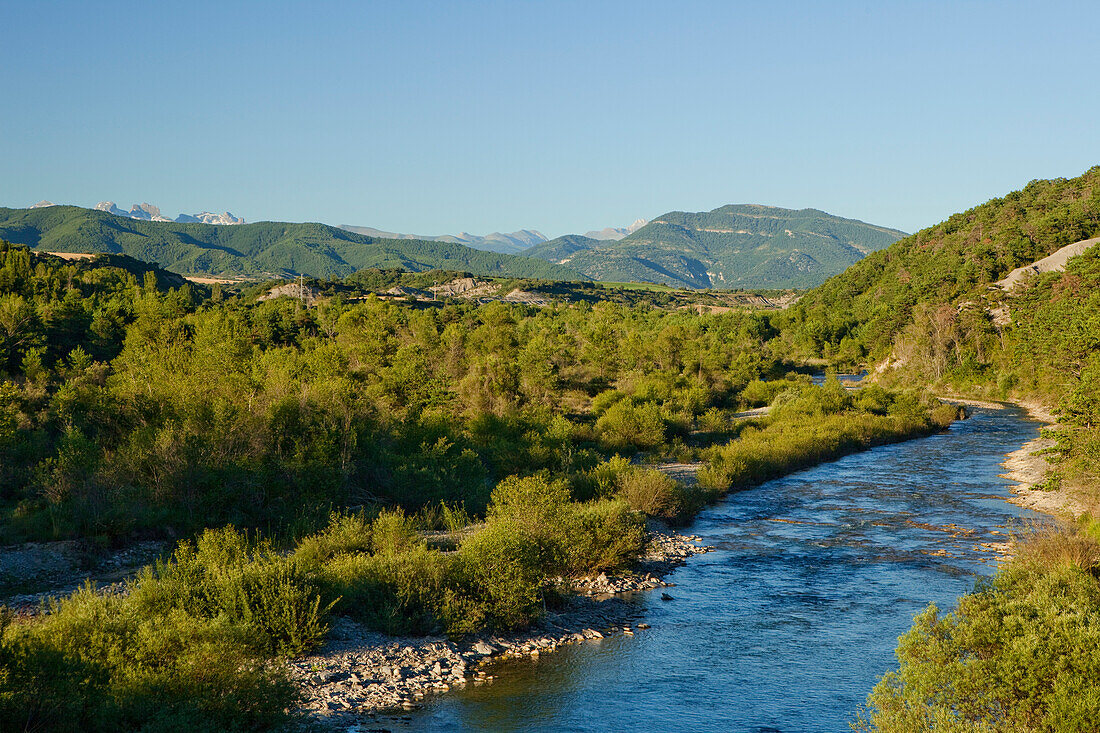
(262, 249)
(616, 233)
(738, 246)
(148, 212)
(732, 247)
(508, 243)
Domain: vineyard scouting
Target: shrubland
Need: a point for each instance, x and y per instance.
(421, 470)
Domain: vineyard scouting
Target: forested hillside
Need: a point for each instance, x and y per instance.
(730, 247)
(253, 250)
(562, 248)
(860, 312)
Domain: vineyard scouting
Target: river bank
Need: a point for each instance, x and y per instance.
(360, 674)
(1029, 468)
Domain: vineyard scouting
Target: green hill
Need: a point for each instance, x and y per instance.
(561, 249)
(743, 246)
(260, 249)
(864, 309)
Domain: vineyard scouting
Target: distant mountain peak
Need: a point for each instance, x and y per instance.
(43, 204)
(148, 212)
(502, 242)
(206, 217)
(616, 233)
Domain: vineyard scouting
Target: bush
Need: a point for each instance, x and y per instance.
(758, 393)
(394, 593)
(602, 480)
(626, 425)
(607, 534)
(499, 580)
(345, 533)
(1022, 653)
(100, 663)
(225, 574)
(393, 532)
(651, 492)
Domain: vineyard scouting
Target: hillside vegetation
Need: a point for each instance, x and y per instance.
(259, 249)
(860, 313)
(730, 247)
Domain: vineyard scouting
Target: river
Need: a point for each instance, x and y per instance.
(788, 624)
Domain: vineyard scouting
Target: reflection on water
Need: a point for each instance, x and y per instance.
(787, 625)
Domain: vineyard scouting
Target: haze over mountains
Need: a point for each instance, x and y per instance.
(509, 243)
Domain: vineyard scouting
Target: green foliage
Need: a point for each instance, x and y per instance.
(223, 574)
(1022, 653)
(917, 282)
(103, 663)
(345, 533)
(151, 411)
(1018, 654)
(809, 424)
(626, 425)
(652, 493)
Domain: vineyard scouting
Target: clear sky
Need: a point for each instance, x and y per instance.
(434, 118)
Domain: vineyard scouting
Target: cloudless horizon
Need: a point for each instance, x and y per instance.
(439, 117)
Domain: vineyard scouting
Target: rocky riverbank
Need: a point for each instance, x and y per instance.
(33, 572)
(1029, 468)
(360, 677)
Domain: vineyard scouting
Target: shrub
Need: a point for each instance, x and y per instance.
(100, 663)
(651, 492)
(606, 534)
(393, 532)
(626, 425)
(225, 574)
(1020, 653)
(713, 421)
(345, 533)
(604, 476)
(499, 580)
(1050, 548)
(397, 593)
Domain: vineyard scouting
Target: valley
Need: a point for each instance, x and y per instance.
(386, 491)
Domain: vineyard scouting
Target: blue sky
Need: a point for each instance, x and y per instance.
(562, 116)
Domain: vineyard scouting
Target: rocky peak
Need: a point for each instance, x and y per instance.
(146, 211)
(110, 208)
